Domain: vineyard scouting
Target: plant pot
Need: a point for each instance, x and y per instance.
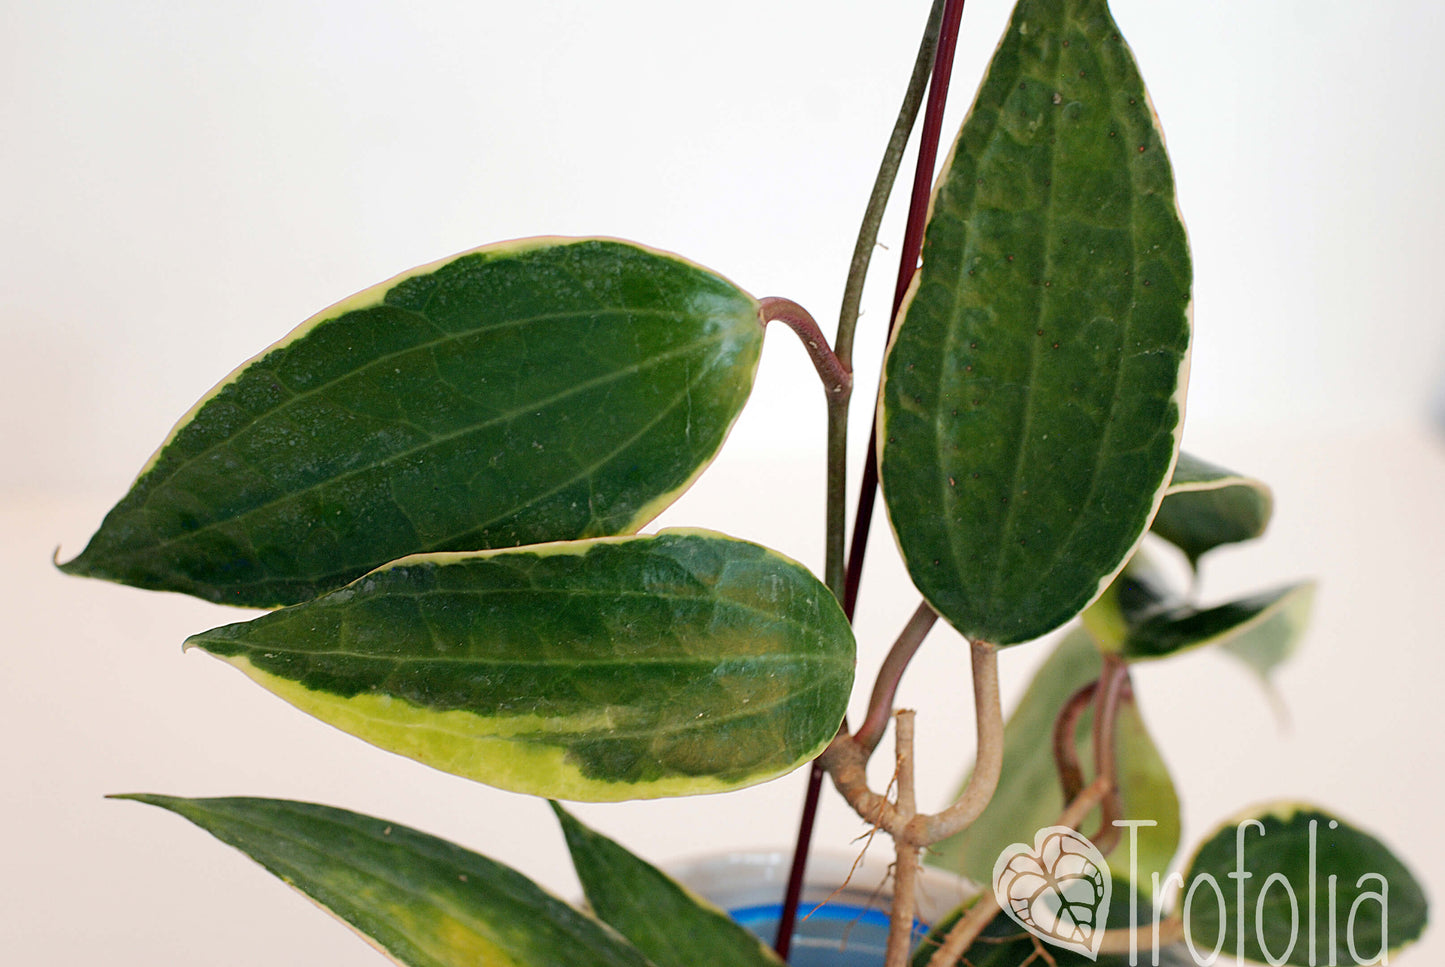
(843, 916)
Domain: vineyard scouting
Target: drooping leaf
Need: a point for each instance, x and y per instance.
(669, 924)
(613, 668)
(1029, 798)
(540, 390)
(1206, 506)
(424, 901)
(1003, 944)
(1266, 643)
(1304, 886)
(1033, 391)
(1142, 619)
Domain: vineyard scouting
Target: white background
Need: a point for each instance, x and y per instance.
(182, 183)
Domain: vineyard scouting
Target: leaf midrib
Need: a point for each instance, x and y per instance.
(437, 441)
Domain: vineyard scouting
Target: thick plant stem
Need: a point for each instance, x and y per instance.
(883, 184)
(837, 456)
(971, 924)
(838, 387)
(905, 866)
(880, 705)
(907, 266)
(926, 830)
(846, 761)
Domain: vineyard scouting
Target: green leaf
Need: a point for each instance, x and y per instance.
(1206, 506)
(670, 925)
(422, 900)
(1033, 391)
(539, 390)
(613, 668)
(1002, 944)
(1314, 890)
(1143, 620)
(1029, 797)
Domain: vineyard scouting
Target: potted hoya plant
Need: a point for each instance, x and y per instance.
(440, 488)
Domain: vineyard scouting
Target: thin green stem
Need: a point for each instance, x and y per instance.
(835, 564)
(907, 267)
(883, 185)
(836, 511)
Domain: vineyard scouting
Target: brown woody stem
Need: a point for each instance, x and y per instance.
(836, 377)
(1066, 751)
(880, 705)
(926, 830)
(905, 867)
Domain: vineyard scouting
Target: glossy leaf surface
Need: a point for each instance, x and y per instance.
(1317, 891)
(615, 668)
(1142, 619)
(1029, 797)
(1033, 392)
(540, 390)
(1207, 506)
(424, 901)
(670, 925)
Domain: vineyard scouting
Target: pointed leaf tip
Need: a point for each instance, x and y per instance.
(532, 391)
(1033, 391)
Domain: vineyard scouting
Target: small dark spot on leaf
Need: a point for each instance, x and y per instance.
(1147, 282)
(935, 562)
(973, 345)
(975, 476)
(1010, 258)
(978, 402)
(1038, 332)
(1066, 43)
(952, 482)
(1141, 149)
(1113, 133)
(1005, 500)
(1132, 101)
(910, 367)
(1056, 345)
(968, 368)
(893, 439)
